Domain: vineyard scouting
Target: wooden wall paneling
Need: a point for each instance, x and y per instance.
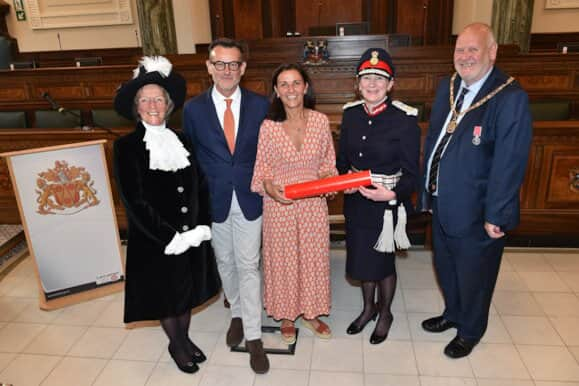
(279, 16)
(319, 13)
(66, 58)
(248, 19)
(411, 18)
(267, 18)
(438, 21)
(380, 15)
(216, 16)
(222, 18)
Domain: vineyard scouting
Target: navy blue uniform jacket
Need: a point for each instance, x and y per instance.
(479, 183)
(385, 144)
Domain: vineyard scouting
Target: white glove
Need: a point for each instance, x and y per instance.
(196, 236)
(177, 246)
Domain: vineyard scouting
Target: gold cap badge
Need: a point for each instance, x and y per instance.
(374, 60)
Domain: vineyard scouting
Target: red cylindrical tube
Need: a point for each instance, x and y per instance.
(327, 185)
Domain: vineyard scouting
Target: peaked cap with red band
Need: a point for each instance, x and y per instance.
(376, 61)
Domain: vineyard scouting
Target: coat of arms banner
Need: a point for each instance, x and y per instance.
(66, 207)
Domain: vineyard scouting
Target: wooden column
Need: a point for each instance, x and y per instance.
(511, 22)
(157, 27)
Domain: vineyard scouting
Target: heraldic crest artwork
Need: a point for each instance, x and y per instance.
(65, 190)
(316, 53)
(67, 211)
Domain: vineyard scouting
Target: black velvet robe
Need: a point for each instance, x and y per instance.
(159, 204)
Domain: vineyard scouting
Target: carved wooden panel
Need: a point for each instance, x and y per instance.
(61, 92)
(562, 176)
(104, 90)
(12, 93)
(543, 82)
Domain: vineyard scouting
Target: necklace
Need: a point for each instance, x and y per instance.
(455, 114)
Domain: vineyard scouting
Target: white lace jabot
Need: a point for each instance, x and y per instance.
(166, 152)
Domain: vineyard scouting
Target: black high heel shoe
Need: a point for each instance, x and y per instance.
(354, 329)
(197, 355)
(187, 367)
(376, 338)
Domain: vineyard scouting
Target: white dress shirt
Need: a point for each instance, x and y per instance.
(220, 105)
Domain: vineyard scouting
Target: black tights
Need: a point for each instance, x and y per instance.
(386, 291)
(177, 329)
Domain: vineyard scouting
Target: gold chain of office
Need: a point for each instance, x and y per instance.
(455, 114)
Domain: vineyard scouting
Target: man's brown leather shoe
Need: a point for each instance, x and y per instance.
(257, 358)
(235, 332)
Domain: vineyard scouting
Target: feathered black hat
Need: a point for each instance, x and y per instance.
(151, 70)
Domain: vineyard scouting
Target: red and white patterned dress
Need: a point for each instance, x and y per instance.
(296, 243)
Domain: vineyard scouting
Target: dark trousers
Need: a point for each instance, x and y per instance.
(467, 268)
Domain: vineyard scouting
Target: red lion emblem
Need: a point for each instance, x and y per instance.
(65, 190)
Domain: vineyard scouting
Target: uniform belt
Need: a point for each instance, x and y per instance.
(387, 180)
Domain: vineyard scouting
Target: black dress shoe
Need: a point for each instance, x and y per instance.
(354, 329)
(198, 356)
(376, 338)
(437, 324)
(459, 347)
(189, 367)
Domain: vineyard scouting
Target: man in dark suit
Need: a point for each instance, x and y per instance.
(223, 125)
(476, 153)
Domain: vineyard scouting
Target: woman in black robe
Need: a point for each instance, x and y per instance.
(170, 267)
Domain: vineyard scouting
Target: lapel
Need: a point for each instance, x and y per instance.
(437, 123)
(215, 126)
(244, 106)
(473, 117)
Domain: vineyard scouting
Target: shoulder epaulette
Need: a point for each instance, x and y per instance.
(409, 110)
(352, 104)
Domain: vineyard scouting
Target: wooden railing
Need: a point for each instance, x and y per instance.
(550, 77)
(549, 197)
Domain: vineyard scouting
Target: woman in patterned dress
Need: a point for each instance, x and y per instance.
(295, 145)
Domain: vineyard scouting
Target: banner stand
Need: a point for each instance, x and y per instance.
(67, 211)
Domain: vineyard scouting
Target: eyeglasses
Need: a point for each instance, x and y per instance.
(156, 100)
(220, 65)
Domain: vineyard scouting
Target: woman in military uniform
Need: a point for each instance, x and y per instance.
(170, 265)
(382, 136)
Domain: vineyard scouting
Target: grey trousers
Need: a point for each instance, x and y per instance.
(237, 244)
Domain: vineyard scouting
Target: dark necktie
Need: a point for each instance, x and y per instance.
(434, 165)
